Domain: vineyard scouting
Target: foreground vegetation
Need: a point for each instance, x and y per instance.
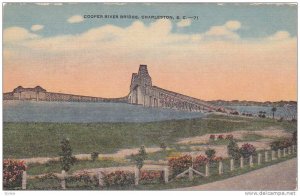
(22, 140)
(55, 166)
(54, 183)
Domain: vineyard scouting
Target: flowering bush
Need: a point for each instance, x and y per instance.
(200, 161)
(151, 176)
(281, 144)
(247, 150)
(229, 137)
(48, 176)
(212, 137)
(216, 159)
(12, 173)
(220, 137)
(179, 164)
(118, 178)
(83, 177)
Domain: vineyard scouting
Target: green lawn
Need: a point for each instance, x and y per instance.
(22, 140)
(252, 137)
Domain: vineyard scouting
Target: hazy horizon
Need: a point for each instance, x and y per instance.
(166, 89)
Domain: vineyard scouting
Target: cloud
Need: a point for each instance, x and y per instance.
(202, 59)
(184, 23)
(279, 35)
(224, 32)
(14, 34)
(233, 25)
(36, 27)
(75, 19)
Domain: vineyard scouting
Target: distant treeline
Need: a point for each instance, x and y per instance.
(251, 103)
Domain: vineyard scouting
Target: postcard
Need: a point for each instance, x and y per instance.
(150, 96)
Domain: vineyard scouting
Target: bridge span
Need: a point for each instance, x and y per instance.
(142, 92)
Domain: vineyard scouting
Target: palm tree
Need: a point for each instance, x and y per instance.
(273, 111)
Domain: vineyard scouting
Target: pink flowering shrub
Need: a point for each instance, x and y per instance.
(82, 177)
(200, 161)
(12, 173)
(247, 150)
(216, 159)
(220, 137)
(212, 137)
(118, 178)
(281, 144)
(179, 164)
(151, 176)
(229, 137)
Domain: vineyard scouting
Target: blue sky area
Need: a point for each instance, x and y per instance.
(257, 20)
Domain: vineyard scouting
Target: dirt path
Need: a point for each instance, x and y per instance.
(221, 150)
(281, 176)
(270, 132)
(119, 154)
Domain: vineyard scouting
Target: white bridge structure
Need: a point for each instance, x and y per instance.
(142, 92)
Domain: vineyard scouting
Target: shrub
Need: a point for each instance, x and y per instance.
(210, 153)
(82, 177)
(12, 173)
(118, 178)
(163, 146)
(66, 158)
(200, 161)
(179, 164)
(220, 137)
(247, 150)
(262, 114)
(234, 113)
(217, 159)
(140, 157)
(233, 150)
(212, 137)
(151, 176)
(229, 137)
(281, 144)
(48, 176)
(94, 156)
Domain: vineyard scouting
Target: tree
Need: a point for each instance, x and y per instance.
(274, 109)
(210, 153)
(262, 114)
(233, 149)
(140, 158)
(66, 158)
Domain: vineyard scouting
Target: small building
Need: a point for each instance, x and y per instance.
(35, 93)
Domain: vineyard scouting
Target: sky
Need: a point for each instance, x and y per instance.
(224, 51)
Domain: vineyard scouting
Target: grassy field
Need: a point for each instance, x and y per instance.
(23, 140)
